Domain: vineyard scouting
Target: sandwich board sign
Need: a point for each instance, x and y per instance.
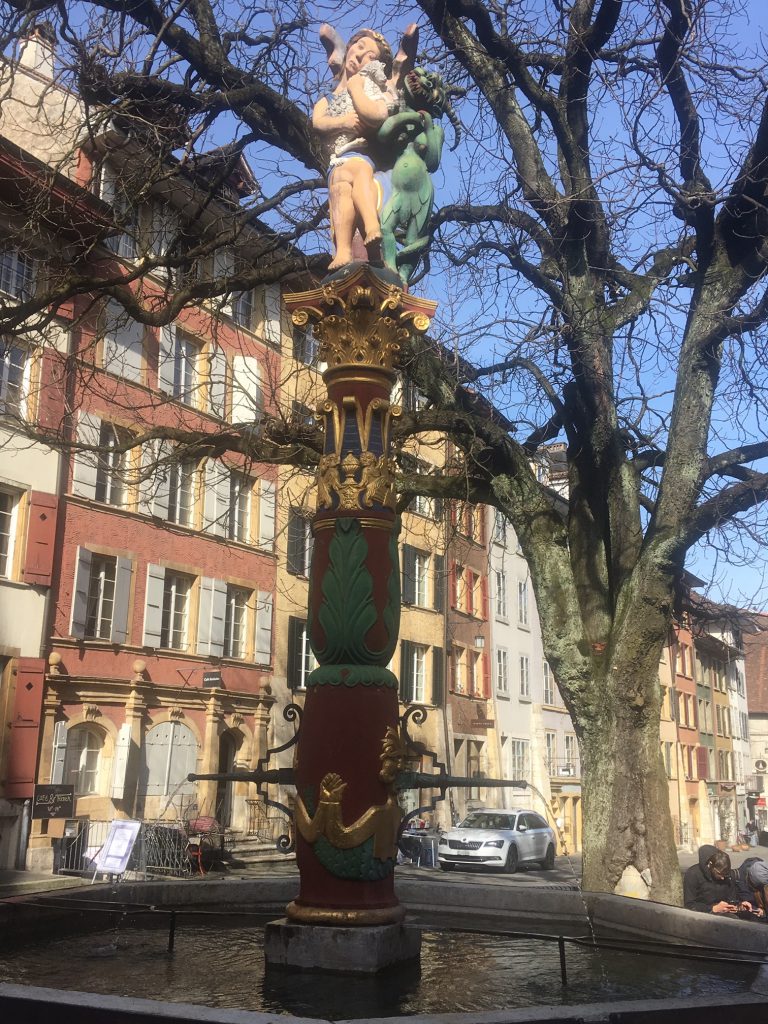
(114, 855)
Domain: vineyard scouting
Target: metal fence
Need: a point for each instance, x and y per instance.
(162, 848)
(264, 827)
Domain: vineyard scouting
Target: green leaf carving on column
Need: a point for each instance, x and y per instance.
(348, 610)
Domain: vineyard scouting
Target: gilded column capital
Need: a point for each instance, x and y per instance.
(361, 317)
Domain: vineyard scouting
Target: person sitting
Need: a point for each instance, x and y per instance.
(711, 887)
(754, 874)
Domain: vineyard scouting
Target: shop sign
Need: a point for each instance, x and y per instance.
(53, 802)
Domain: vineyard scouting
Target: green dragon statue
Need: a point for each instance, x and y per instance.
(418, 137)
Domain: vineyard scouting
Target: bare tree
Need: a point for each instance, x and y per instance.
(607, 210)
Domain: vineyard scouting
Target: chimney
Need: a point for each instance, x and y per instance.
(37, 50)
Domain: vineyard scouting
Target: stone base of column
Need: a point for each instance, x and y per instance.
(360, 950)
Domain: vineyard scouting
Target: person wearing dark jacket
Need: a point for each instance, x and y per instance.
(711, 887)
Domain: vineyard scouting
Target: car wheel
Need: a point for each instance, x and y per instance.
(446, 867)
(512, 858)
(549, 861)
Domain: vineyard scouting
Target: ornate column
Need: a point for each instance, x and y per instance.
(349, 752)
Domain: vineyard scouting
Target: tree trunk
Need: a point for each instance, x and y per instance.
(627, 823)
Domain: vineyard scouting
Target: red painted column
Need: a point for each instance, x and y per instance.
(349, 747)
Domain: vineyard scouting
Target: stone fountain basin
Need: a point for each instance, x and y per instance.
(488, 905)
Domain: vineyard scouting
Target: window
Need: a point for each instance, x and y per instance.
(571, 753)
(238, 526)
(235, 622)
(502, 671)
(175, 616)
(549, 684)
(83, 759)
(302, 415)
(181, 492)
(13, 365)
(457, 666)
(17, 274)
(101, 597)
(519, 759)
(522, 602)
(9, 501)
(243, 309)
(412, 399)
(300, 543)
(305, 346)
(669, 761)
(415, 576)
(301, 660)
(550, 740)
(247, 403)
(525, 676)
(112, 465)
(499, 528)
(113, 191)
(413, 662)
(501, 593)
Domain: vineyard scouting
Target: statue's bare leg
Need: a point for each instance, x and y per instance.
(342, 216)
(366, 197)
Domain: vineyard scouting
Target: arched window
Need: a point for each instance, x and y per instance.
(168, 756)
(82, 762)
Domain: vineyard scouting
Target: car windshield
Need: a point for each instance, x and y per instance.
(483, 820)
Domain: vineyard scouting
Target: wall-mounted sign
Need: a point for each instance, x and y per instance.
(212, 679)
(53, 802)
(114, 855)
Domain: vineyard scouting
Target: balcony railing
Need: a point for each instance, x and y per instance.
(563, 767)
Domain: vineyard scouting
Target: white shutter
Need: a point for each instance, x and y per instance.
(217, 382)
(267, 515)
(263, 639)
(247, 398)
(147, 487)
(120, 763)
(224, 266)
(108, 183)
(216, 504)
(272, 331)
(85, 469)
(167, 359)
(123, 575)
(212, 610)
(59, 753)
(80, 593)
(123, 344)
(160, 482)
(153, 609)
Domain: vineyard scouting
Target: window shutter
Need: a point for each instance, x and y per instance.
(296, 553)
(406, 671)
(437, 509)
(438, 676)
(486, 662)
(120, 763)
(59, 753)
(85, 470)
(702, 763)
(438, 563)
(263, 639)
(123, 344)
(210, 621)
(454, 514)
(153, 609)
(217, 382)
(80, 593)
(167, 359)
(294, 652)
(272, 314)
(123, 575)
(216, 504)
(160, 483)
(482, 513)
(484, 596)
(409, 574)
(147, 486)
(247, 398)
(267, 515)
(41, 534)
(452, 585)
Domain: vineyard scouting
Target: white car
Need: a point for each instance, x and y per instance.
(498, 838)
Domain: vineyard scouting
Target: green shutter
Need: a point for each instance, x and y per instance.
(406, 672)
(438, 675)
